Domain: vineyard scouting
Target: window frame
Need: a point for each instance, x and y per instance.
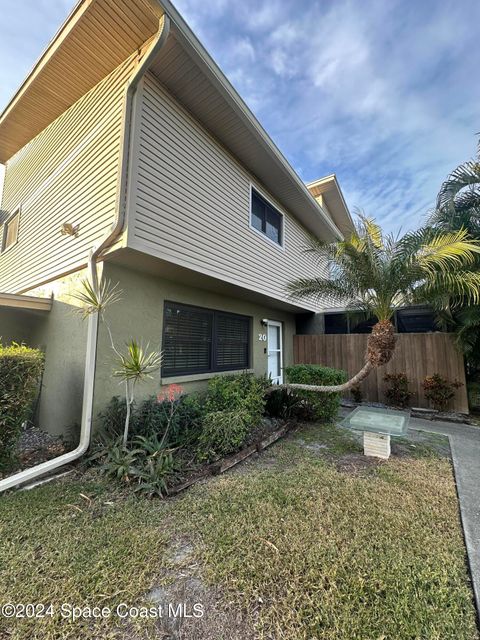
(276, 209)
(5, 224)
(213, 343)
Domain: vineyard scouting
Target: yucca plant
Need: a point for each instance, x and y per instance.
(96, 300)
(133, 366)
(377, 273)
(137, 363)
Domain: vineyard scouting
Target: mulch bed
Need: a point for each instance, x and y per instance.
(264, 435)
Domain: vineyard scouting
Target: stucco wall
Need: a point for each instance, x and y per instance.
(61, 333)
(139, 315)
(17, 325)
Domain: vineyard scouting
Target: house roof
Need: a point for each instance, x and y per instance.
(97, 36)
(329, 190)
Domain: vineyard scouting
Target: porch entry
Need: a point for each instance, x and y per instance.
(275, 351)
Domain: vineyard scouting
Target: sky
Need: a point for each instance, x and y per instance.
(384, 93)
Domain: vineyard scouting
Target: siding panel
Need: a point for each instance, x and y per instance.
(191, 204)
(68, 173)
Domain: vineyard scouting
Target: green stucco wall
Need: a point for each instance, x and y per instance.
(139, 315)
(61, 333)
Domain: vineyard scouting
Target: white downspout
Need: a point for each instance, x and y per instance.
(22, 477)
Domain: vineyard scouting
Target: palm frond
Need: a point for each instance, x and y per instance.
(464, 175)
(320, 289)
(446, 251)
(454, 287)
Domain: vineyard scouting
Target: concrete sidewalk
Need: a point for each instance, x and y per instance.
(465, 447)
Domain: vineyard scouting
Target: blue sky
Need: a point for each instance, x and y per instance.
(384, 93)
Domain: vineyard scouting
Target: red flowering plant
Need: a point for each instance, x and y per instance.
(440, 391)
(168, 397)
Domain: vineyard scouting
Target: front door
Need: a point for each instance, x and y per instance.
(275, 355)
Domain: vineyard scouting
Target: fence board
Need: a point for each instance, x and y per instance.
(417, 354)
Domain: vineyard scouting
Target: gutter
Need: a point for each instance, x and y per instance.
(93, 319)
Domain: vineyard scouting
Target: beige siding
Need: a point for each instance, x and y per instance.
(68, 173)
(191, 203)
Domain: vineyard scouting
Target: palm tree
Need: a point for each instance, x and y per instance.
(458, 201)
(377, 273)
(457, 207)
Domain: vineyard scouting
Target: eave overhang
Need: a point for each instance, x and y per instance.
(26, 303)
(329, 189)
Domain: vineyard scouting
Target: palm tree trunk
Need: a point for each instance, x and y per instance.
(353, 382)
(380, 349)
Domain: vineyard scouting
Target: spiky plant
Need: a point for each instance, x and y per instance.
(133, 366)
(377, 273)
(96, 300)
(137, 363)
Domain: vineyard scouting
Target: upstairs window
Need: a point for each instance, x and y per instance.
(266, 219)
(197, 340)
(10, 230)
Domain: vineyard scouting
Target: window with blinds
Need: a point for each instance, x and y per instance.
(266, 219)
(197, 340)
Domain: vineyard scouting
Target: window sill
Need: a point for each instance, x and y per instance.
(194, 377)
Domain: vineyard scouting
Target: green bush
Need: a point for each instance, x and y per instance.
(243, 392)
(287, 404)
(223, 432)
(152, 417)
(324, 405)
(20, 373)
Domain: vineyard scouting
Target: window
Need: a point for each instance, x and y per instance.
(266, 219)
(197, 340)
(10, 231)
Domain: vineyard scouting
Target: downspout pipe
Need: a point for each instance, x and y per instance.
(49, 466)
(130, 93)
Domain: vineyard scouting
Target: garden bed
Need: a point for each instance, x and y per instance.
(220, 466)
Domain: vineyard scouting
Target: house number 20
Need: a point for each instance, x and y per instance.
(262, 337)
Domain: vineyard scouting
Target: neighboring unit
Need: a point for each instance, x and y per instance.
(126, 142)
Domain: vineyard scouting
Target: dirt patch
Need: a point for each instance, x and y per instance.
(205, 613)
(356, 463)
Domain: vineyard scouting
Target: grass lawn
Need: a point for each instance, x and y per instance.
(309, 540)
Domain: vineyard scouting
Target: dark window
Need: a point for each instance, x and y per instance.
(265, 218)
(197, 340)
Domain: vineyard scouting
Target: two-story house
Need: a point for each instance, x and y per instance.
(127, 145)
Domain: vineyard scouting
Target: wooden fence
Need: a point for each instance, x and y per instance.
(416, 354)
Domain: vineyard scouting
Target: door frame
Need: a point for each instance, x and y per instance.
(276, 323)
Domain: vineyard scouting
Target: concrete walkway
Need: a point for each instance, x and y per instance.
(465, 447)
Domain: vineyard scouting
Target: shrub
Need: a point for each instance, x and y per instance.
(183, 415)
(440, 391)
(324, 405)
(20, 373)
(223, 432)
(397, 393)
(243, 392)
(286, 404)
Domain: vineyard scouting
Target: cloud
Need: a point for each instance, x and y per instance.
(384, 94)
(379, 93)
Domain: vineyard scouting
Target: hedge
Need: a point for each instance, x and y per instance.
(324, 405)
(20, 372)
